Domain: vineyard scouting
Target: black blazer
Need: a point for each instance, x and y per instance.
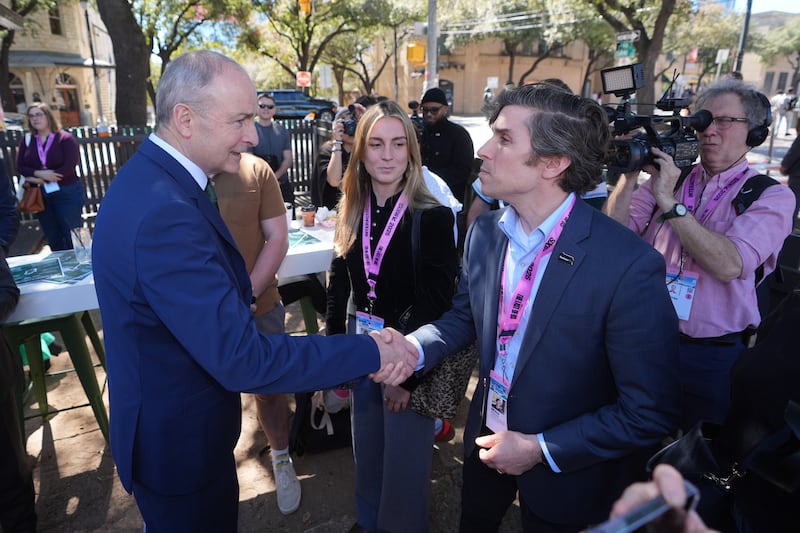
(396, 291)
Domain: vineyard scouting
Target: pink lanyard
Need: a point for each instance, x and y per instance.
(372, 264)
(43, 151)
(510, 318)
(692, 201)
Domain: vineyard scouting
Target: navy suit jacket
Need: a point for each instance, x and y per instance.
(180, 339)
(598, 371)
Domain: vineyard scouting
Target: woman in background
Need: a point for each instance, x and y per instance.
(406, 289)
(47, 158)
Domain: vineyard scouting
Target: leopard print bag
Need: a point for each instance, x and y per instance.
(441, 390)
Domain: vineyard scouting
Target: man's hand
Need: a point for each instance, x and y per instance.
(396, 398)
(668, 483)
(665, 176)
(510, 452)
(398, 357)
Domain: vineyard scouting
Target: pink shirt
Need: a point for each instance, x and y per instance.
(758, 234)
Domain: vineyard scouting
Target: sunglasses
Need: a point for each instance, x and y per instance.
(432, 110)
(268, 106)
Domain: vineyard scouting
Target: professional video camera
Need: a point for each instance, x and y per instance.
(673, 134)
(351, 123)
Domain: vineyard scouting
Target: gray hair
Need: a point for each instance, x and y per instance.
(564, 124)
(185, 79)
(755, 104)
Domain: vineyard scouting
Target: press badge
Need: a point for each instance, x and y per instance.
(681, 287)
(366, 323)
(51, 186)
(497, 402)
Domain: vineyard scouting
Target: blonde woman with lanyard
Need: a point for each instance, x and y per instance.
(382, 188)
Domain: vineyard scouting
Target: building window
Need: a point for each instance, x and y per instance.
(55, 20)
(769, 79)
(783, 78)
(16, 94)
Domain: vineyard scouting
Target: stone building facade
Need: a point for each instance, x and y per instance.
(51, 61)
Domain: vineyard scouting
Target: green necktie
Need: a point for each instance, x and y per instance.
(212, 194)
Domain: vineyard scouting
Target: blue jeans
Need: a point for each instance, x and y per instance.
(62, 212)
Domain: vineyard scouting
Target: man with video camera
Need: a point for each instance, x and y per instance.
(720, 233)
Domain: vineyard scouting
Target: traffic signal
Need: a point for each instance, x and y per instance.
(415, 54)
(305, 7)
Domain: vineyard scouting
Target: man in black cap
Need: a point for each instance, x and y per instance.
(446, 147)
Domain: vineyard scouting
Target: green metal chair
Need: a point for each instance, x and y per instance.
(73, 327)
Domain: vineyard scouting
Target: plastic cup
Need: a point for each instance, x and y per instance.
(289, 216)
(82, 244)
(309, 212)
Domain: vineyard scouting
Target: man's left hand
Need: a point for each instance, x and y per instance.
(510, 452)
(396, 398)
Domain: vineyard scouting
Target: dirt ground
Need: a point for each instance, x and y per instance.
(78, 490)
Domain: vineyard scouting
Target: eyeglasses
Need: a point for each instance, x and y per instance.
(268, 106)
(35, 115)
(432, 110)
(723, 123)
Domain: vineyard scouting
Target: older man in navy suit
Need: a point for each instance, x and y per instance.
(175, 301)
(578, 340)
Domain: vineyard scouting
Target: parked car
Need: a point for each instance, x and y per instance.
(294, 104)
(14, 121)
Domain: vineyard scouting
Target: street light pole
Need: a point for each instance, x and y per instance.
(743, 37)
(433, 50)
(101, 120)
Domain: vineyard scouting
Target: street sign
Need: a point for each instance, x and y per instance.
(304, 78)
(628, 35)
(325, 76)
(722, 55)
(624, 49)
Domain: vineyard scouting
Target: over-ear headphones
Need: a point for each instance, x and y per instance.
(759, 134)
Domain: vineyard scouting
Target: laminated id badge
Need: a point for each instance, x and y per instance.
(366, 323)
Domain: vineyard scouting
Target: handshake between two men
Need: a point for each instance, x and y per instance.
(398, 357)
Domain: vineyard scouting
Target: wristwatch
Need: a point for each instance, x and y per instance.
(678, 210)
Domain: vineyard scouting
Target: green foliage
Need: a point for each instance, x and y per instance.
(782, 41)
(711, 29)
(337, 33)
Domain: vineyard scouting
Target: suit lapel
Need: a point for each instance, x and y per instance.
(564, 262)
(491, 246)
(192, 190)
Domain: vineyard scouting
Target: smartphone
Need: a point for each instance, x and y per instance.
(645, 513)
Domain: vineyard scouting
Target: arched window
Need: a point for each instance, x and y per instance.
(65, 98)
(16, 94)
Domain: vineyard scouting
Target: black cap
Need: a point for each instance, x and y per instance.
(434, 95)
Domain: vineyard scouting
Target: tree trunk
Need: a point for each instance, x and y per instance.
(512, 56)
(132, 60)
(5, 47)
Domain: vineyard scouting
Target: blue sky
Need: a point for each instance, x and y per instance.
(787, 6)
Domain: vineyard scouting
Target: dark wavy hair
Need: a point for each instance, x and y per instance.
(564, 124)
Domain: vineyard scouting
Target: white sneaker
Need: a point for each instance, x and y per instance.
(287, 487)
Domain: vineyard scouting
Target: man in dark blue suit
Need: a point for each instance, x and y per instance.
(174, 296)
(578, 340)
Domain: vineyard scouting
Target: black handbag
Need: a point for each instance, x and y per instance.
(775, 461)
(314, 428)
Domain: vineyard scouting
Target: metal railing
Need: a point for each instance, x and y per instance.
(102, 157)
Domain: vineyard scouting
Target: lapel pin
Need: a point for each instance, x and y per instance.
(568, 259)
